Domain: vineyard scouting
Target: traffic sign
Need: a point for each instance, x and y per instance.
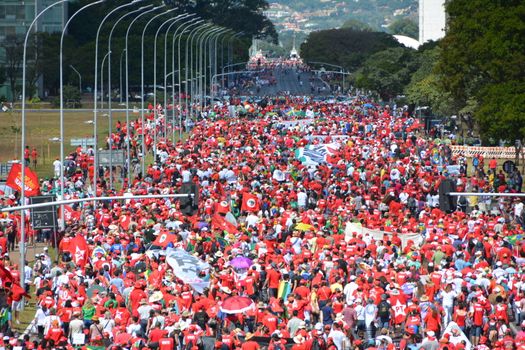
(43, 217)
(83, 142)
(117, 157)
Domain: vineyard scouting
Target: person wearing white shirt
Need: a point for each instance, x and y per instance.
(40, 317)
(301, 198)
(56, 167)
(186, 176)
(349, 290)
(448, 296)
(48, 320)
(339, 338)
(252, 220)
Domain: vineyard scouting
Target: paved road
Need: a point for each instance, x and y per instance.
(291, 82)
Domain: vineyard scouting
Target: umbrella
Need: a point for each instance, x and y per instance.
(303, 227)
(91, 290)
(368, 105)
(237, 305)
(241, 262)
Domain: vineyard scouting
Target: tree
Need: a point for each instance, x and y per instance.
(356, 25)
(13, 46)
(482, 64)
(345, 47)
(387, 72)
(404, 26)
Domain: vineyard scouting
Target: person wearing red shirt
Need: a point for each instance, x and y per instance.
(156, 334)
(249, 344)
(477, 312)
(55, 332)
(166, 344)
(273, 278)
(270, 321)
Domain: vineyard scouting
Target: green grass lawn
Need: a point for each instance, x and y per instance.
(42, 126)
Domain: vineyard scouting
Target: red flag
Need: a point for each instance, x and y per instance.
(5, 274)
(14, 180)
(79, 250)
(69, 213)
(250, 202)
(18, 292)
(124, 221)
(223, 207)
(165, 238)
(221, 223)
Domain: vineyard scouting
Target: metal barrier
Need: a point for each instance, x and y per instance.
(485, 152)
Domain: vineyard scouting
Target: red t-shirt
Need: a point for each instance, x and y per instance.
(274, 278)
(166, 344)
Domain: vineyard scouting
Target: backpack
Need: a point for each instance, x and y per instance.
(383, 309)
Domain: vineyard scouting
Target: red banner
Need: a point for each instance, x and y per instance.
(250, 203)
(221, 223)
(14, 180)
(70, 214)
(79, 250)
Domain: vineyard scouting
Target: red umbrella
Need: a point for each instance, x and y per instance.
(237, 305)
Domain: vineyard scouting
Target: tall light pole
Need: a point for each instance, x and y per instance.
(22, 244)
(102, 81)
(120, 90)
(128, 126)
(171, 20)
(62, 136)
(143, 144)
(95, 92)
(187, 29)
(183, 26)
(79, 78)
(165, 73)
(213, 61)
(197, 62)
(189, 66)
(109, 90)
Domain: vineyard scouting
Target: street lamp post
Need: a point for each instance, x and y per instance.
(102, 81)
(120, 90)
(187, 29)
(213, 62)
(194, 63)
(206, 57)
(182, 26)
(165, 73)
(109, 90)
(169, 21)
(62, 136)
(128, 126)
(22, 244)
(79, 78)
(186, 66)
(95, 92)
(143, 144)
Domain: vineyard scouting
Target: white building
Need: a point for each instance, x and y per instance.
(432, 20)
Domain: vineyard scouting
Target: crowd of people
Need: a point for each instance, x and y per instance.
(334, 209)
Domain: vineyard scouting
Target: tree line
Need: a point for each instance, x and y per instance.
(79, 46)
(477, 71)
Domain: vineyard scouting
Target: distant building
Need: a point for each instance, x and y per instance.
(432, 20)
(17, 15)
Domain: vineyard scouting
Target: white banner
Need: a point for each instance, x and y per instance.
(457, 335)
(353, 229)
(187, 268)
